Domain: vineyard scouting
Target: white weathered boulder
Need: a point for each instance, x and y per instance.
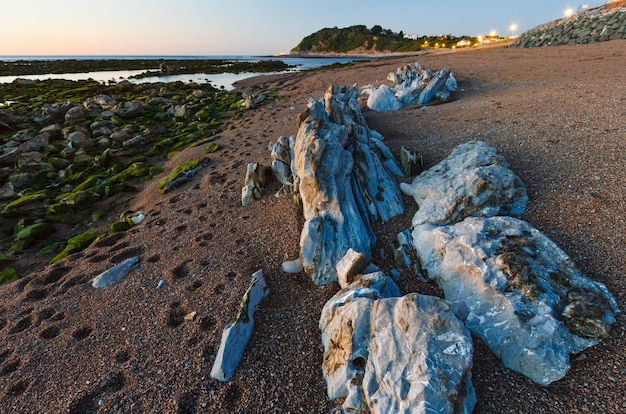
(343, 182)
(333, 222)
(527, 300)
(474, 180)
(389, 354)
(383, 99)
(237, 333)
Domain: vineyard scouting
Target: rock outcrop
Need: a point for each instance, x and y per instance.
(389, 354)
(413, 84)
(591, 26)
(527, 300)
(344, 177)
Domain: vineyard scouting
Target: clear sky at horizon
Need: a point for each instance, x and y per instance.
(247, 27)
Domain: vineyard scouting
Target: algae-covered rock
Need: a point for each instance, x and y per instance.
(181, 174)
(75, 244)
(8, 275)
(211, 148)
(26, 202)
(29, 234)
(128, 219)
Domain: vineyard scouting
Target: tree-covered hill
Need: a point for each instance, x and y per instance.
(360, 39)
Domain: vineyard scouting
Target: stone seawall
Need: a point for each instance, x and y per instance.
(592, 26)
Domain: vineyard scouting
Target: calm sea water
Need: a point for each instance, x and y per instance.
(225, 80)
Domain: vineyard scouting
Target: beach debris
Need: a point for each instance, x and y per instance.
(238, 331)
(474, 180)
(190, 316)
(115, 274)
(528, 302)
(386, 354)
(160, 284)
(254, 181)
(293, 266)
(343, 182)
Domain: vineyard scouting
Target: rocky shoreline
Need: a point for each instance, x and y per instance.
(152, 67)
(69, 165)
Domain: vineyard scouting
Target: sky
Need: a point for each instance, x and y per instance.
(243, 27)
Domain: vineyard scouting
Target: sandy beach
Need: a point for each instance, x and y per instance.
(557, 114)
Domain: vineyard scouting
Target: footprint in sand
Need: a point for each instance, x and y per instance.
(17, 388)
(81, 333)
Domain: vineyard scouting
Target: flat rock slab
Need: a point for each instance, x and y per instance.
(115, 274)
(237, 333)
(390, 354)
(527, 300)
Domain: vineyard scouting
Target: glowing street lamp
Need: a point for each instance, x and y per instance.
(568, 12)
(513, 28)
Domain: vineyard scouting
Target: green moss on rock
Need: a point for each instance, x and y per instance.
(29, 234)
(211, 148)
(8, 275)
(27, 200)
(75, 244)
(181, 174)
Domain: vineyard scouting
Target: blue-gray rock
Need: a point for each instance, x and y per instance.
(342, 176)
(389, 354)
(528, 302)
(236, 334)
(129, 109)
(75, 115)
(383, 100)
(434, 87)
(474, 180)
(333, 220)
(115, 274)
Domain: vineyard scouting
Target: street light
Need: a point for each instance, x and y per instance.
(513, 28)
(568, 12)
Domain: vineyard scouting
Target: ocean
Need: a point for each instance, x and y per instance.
(225, 80)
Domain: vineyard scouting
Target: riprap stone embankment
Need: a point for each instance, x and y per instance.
(592, 26)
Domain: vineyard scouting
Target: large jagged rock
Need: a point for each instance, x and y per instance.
(528, 302)
(237, 333)
(333, 222)
(414, 84)
(474, 180)
(343, 177)
(389, 354)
